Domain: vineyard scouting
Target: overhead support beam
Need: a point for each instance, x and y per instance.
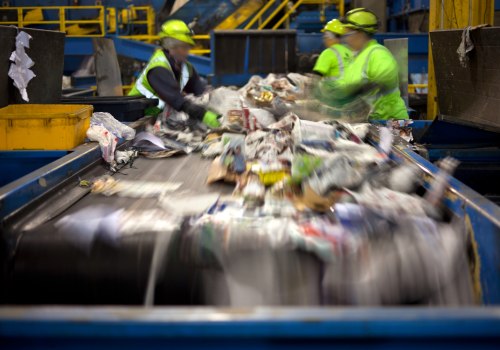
(453, 14)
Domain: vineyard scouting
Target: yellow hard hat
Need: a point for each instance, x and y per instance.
(177, 29)
(361, 19)
(334, 26)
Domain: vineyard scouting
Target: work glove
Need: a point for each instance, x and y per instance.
(211, 119)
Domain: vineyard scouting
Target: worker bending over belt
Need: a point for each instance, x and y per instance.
(373, 73)
(335, 58)
(168, 76)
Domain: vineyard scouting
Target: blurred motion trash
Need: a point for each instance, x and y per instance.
(109, 186)
(320, 214)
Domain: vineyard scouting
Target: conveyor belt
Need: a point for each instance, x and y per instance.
(190, 170)
(62, 273)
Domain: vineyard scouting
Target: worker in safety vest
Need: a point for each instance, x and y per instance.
(373, 73)
(168, 76)
(334, 59)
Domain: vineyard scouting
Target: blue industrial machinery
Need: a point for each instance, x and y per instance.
(205, 16)
(309, 21)
(400, 7)
(306, 43)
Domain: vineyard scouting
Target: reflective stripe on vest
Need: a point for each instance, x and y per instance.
(340, 60)
(365, 66)
(150, 94)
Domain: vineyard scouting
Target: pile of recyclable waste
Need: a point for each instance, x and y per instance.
(320, 213)
(378, 237)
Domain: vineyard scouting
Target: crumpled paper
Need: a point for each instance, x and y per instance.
(19, 70)
(466, 46)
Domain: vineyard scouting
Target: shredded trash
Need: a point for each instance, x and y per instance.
(106, 130)
(110, 224)
(447, 167)
(125, 157)
(188, 204)
(109, 186)
(466, 46)
(320, 213)
(401, 128)
(114, 126)
(153, 146)
(20, 69)
(107, 141)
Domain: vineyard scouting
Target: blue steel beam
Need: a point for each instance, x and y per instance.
(276, 328)
(19, 193)
(129, 48)
(306, 42)
(16, 164)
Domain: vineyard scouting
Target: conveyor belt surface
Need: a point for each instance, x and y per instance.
(107, 274)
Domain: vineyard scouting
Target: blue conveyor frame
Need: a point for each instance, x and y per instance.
(263, 327)
(269, 328)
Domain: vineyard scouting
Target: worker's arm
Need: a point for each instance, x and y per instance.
(347, 86)
(324, 62)
(167, 88)
(382, 73)
(383, 70)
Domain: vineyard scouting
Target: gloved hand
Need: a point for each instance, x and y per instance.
(210, 119)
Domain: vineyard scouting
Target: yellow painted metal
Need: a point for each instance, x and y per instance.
(264, 22)
(23, 19)
(126, 16)
(33, 15)
(111, 19)
(151, 16)
(156, 37)
(62, 20)
(48, 127)
(321, 2)
(106, 16)
(412, 88)
(243, 13)
(288, 13)
(108, 23)
(258, 16)
(102, 20)
(200, 51)
(453, 14)
(273, 14)
(76, 30)
(131, 14)
(341, 7)
(20, 18)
